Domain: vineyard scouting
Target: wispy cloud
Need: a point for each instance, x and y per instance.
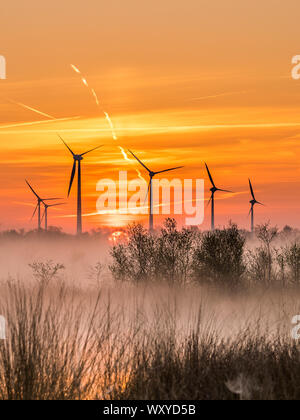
(219, 95)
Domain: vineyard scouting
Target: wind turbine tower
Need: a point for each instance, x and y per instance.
(253, 202)
(77, 164)
(38, 205)
(213, 190)
(45, 215)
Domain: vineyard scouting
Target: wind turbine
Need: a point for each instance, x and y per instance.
(38, 206)
(253, 202)
(77, 161)
(46, 206)
(213, 190)
(151, 175)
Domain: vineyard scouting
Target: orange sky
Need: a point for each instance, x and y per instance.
(183, 81)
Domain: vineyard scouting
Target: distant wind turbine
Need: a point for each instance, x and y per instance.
(38, 206)
(253, 202)
(151, 175)
(45, 215)
(212, 198)
(77, 160)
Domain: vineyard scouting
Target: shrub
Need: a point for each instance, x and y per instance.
(257, 263)
(165, 257)
(219, 257)
(291, 255)
(174, 253)
(135, 260)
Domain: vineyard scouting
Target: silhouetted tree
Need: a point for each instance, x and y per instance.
(218, 259)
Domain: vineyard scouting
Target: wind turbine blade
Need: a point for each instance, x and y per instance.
(139, 161)
(218, 189)
(251, 189)
(210, 177)
(48, 199)
(57, 204)
(167, 170)
(34, 211)
(82, 154)
(32, 189)
(147, 192)
(249, 211)
(65, 144)
(72, 177)
(261, 204)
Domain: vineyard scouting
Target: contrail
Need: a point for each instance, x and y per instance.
(116, 211)
(157, 129)
(32, 109)
(96, 97)
(124, 154)
(38, 122)
(84, 81)
(107, 117)
(131, 161)
(75, 68)
(111, 126)
(219, 95)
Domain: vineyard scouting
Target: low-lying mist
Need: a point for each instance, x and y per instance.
(177, 315)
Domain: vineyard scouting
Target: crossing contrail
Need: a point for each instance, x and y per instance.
(107, 117)
(94, 94)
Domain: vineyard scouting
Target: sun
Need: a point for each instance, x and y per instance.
(118, 236)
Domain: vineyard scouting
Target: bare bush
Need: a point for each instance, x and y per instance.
(95, 273)
(44, 272)
(258, 265)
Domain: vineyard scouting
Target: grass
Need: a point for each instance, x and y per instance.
(152, 342)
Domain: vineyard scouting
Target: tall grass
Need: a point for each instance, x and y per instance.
(145, 343)
(59, 345)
